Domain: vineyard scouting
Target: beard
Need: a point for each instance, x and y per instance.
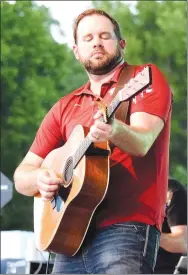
(103, 65)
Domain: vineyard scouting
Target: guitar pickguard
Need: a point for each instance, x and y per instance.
(59, 200)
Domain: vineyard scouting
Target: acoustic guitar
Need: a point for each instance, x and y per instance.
(60, 225)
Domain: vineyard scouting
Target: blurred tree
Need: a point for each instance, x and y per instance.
(35, 72)
(156, 33)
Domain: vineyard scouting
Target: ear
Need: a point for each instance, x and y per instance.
(122, 44)
(75, 50)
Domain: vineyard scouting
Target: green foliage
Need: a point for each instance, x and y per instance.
(35, 72)
(156, 33)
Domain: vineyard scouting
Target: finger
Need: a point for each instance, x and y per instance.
(56, 178)
(49, 181)
(98, 114)
(48, 188)
(102, 126)
(46, 196)
(104, 131)
(98, 136)
(93, 137)
(49, 178)
(54, 174)
(99, 133)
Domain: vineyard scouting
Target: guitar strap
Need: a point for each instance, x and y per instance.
(125, 75)
(121, 112)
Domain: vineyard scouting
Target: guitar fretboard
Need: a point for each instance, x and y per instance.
(80, 152)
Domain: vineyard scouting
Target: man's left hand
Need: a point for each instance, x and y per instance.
(100, 131)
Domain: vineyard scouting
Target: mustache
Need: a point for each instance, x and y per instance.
(98, 51)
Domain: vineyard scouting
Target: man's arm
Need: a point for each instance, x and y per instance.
(25, 176)
(148, 112)
(136, 139)
(30, 179)
(176, 241)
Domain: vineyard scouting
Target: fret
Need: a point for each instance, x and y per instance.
(81, 150)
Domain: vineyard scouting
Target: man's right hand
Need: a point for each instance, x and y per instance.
(48, 183)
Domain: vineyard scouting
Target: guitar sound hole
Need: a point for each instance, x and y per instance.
(68, 171)
(59, 201)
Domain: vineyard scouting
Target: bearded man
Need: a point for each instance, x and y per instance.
(124, 234)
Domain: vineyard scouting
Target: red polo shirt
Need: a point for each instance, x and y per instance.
(138, 185)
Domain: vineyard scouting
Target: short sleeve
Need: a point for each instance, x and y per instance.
(156, 99)
(49, 134)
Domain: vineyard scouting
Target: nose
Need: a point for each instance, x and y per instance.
(97, 42)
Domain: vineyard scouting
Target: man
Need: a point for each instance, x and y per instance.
(173, 243)
(128, 221)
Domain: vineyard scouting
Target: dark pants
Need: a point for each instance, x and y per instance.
(123, 248)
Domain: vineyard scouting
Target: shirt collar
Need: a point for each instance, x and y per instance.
(114, 79)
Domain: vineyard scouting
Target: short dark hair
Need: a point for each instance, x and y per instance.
(99, 12)
(174, 185)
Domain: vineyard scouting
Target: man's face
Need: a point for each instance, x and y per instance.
(97, 46)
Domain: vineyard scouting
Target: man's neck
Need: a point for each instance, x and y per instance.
(96, 81)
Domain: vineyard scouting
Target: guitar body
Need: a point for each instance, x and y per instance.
(61, 225)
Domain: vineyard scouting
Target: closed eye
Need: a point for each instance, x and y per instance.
(88, 38)
(105, 35)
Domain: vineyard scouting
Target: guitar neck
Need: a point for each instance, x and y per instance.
(80, 152)
(87, 142)
(112, 108)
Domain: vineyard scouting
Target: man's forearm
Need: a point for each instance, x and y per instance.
(173, 243)
(25, 178)
(131, 140)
